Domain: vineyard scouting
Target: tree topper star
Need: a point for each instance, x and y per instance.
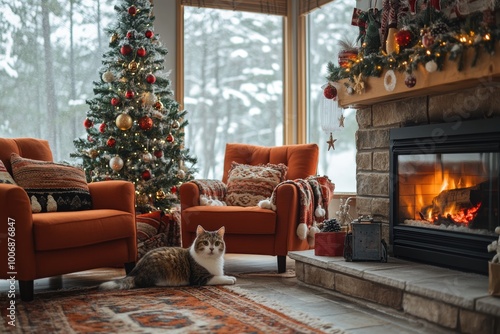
(331, 142)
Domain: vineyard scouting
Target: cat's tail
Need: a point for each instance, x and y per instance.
(128, 282)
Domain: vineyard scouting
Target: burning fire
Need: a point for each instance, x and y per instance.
(454, 201)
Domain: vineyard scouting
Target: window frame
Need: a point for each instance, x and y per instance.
(290, 126)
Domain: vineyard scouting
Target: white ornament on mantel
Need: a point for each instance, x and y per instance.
(431, 66)
(390, 80)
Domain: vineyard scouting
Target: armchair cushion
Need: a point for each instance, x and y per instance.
(5, 177)
(51, 186)
(65, 230)
(247, 185)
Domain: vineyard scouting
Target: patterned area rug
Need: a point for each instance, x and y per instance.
(155, 310)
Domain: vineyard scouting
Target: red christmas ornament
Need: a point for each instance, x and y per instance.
(150, 78)
(173, 190)
(403, 38)
(141, 52)
(410, 81)
(145, 123)
(132, 10)
(427, 40)
(115, 101)
(330, 92)
(130, 34)
(102, 127)
(158, 153)
(170, 138)
(146, 175)
(87, 123)
(125, 49)
(129, 94)
(90, 139)
(111, 142)
(149, 34)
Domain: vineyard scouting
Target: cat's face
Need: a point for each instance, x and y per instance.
(209, 243)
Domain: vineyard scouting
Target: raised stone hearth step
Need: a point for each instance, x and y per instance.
(450, 298)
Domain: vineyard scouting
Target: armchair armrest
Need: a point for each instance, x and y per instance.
(189, 195)
(287, 210)
(113, 194)
(16, 229)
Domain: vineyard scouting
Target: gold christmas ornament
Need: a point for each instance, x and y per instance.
(160, 194)
(113, 38)
(175, 124)
(124, 121)
(93, 153)
(142, 199)
(133, 66)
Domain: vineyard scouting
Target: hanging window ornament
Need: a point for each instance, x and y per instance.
(332, 119)
(390, 80)
(331, 142)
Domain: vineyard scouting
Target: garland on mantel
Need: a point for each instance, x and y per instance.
(427, 41)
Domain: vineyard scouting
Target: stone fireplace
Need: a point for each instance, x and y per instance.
(385, 200)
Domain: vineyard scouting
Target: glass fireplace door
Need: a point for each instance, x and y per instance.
(449, 191)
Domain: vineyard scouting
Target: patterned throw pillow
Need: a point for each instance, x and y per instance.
(157, 229)
(4, 175)
(247, 185)
(148, 225)
(51, 186)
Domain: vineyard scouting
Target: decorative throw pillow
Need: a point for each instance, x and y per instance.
(157, 229)
(247, 185)
(148, 225)
(4, 175)
(51, 186)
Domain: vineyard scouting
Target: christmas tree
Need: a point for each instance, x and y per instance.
(134, 126)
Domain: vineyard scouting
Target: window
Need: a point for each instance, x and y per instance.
(49, 56)
(326, 26)
(233, 82)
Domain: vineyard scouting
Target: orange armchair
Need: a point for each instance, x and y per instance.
(55, 243)
(254, 230)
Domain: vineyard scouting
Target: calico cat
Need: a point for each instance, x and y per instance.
(200, 264)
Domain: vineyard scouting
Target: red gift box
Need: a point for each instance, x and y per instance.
(329, 243)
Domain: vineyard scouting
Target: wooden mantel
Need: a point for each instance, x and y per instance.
(485, 72)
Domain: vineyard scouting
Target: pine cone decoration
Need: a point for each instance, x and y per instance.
(331, 225)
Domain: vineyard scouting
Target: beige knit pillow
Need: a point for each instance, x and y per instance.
(247, 185)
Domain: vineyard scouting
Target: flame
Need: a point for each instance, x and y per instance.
(453, 211)
(463, 216)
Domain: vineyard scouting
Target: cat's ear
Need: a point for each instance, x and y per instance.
(221, 231)
(199, 230)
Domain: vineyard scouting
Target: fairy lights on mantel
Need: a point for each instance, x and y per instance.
(426, 41)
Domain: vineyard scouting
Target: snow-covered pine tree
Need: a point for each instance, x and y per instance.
(134, 126)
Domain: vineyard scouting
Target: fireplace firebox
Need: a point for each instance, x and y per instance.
(444, 193)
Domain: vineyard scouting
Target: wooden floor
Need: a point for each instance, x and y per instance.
(349, 314)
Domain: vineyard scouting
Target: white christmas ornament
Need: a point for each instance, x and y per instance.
(431, 66)
(390, 81)
(149, 99)
(116, 163)
(108, 76)
(147, 157)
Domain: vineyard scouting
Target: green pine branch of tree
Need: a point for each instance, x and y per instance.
(134, 127)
